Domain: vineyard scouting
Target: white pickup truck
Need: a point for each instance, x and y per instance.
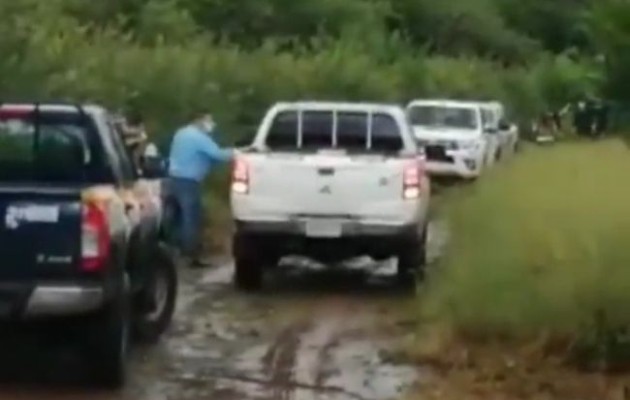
(456, 138)
(330, 181)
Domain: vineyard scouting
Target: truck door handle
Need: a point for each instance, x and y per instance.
(326, 171)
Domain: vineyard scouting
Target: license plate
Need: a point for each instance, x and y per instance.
(323, 228)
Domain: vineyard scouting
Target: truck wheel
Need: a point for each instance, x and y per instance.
(248, 268)
(107, 346)
(150, 325)
(412, 260)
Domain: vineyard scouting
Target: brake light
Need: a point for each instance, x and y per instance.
(15, 112)
(95, 239)
(240, 176)
(412, 180)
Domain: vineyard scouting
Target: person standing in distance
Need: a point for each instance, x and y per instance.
(193, 154)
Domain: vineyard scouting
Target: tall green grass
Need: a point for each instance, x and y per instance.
(540, 246)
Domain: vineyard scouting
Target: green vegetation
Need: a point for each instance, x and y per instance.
(170, 56)
(539, 247)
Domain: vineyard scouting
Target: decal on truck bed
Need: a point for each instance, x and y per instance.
(30, 213)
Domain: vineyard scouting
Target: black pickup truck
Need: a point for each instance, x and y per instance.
(80, 243)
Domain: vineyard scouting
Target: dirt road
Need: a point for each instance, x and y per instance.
(311, 335)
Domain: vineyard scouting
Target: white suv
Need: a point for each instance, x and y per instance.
(453, 134)
(330, 181)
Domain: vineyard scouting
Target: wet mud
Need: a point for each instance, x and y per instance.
(314, 333)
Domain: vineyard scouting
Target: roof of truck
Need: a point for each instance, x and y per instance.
(445, 103)
(338, 105)
(26, 106)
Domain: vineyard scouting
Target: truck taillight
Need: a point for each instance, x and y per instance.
(95, 239)
(240, 176)
(412, 180)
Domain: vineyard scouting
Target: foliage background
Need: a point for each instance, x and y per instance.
(169, 57)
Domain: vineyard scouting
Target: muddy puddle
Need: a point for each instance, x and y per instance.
(312, 334)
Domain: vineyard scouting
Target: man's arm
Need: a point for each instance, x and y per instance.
(211, 149)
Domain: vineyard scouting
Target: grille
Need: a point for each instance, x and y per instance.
(437, 153)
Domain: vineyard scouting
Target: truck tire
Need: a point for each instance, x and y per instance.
(107, 347)
(148, 326)
(248, 265)
(412, 259)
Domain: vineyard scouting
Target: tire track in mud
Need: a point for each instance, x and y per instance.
(280, 362)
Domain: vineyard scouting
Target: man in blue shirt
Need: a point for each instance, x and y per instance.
(193, 154)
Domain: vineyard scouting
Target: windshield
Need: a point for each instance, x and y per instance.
(53, 149)
(443, 117)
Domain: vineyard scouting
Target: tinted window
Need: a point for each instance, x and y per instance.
(317, 129)
(437, 116)
(386, 135)
(352, 131)
(283, 131)
(57, 149)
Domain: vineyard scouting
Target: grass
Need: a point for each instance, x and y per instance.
(535, 282)
(539, 245)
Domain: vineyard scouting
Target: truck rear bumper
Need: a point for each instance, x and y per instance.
(273, 240)
(349, 228)
(28, 301)
(63, 300)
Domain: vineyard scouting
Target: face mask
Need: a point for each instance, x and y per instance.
(208, 126)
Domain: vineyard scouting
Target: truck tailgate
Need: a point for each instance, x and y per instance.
(40, 236)
(347, 186)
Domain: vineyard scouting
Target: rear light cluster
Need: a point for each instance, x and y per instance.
(15, 112)
(412, 179)
(240, 176)
(95, 238)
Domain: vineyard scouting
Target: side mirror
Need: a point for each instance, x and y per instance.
(504, 125)
(153, 165)
(490, 129)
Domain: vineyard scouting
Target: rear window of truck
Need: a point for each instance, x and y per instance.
(50, 147)
(349, 131)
